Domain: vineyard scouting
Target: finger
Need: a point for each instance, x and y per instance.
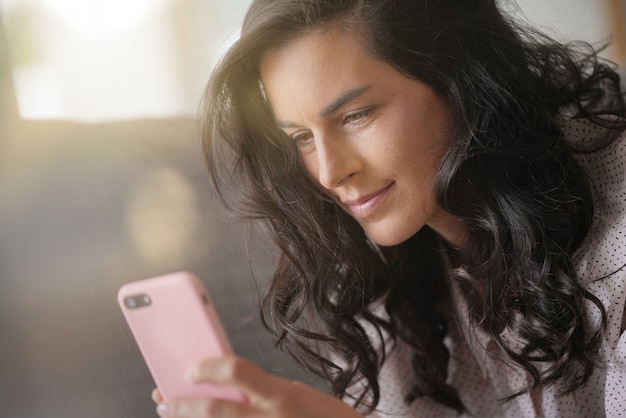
(156, 396)
(198, 408)
(246, 376)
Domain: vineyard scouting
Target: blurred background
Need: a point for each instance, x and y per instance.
(102, 182)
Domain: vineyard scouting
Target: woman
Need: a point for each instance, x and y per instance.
(447, 191)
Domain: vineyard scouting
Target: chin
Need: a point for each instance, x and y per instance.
(388, 240)
(388, 232)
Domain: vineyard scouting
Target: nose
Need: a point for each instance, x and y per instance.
(337, 161)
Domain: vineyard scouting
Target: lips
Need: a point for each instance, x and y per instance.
(363, 207)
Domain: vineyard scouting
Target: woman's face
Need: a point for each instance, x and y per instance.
(369, 137)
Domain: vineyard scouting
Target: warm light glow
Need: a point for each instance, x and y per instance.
(161, 217)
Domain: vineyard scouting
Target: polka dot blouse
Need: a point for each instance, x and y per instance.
(475, 370)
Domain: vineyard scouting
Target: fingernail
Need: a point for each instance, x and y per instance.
(162, 410)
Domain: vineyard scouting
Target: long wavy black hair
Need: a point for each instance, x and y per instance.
(508, 173)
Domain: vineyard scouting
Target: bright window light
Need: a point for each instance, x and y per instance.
(102, 60)
(102, 16)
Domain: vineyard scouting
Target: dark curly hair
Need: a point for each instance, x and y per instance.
(509, 174)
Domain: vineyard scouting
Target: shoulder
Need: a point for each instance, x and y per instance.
(601, 260)
(603, 251)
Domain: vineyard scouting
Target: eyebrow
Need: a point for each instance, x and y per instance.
(343, 99)
(340, 101)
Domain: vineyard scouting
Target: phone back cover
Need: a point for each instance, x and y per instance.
(178, 329)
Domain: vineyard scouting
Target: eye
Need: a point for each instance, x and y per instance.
(302, 138)
(357, 117)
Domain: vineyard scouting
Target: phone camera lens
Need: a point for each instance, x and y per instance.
(137, 301)
(130, 302)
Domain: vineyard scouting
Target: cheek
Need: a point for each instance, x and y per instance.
(421, 149)
(401, 148)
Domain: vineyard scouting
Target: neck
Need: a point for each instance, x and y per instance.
(452, 230)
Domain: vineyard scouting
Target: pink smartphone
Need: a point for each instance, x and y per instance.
(175, 326)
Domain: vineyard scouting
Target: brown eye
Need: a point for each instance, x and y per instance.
(357, 117)
(302, 139)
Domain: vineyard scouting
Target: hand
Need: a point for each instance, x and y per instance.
(270, 396)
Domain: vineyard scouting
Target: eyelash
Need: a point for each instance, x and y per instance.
(303, 139)
(357, 117)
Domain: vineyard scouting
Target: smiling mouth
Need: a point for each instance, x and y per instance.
(365, 206)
